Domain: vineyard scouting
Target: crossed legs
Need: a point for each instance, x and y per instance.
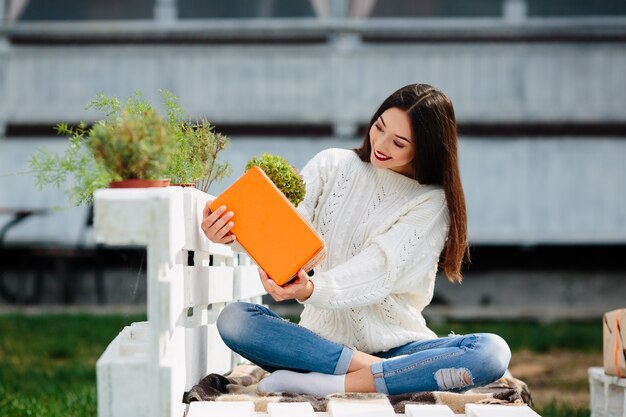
(303, 361)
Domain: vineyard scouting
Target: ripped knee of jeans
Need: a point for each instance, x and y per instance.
(453, 378)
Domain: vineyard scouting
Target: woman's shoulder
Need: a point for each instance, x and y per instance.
(423, 196)
(332, 158)
(336, 155)
(434, 194)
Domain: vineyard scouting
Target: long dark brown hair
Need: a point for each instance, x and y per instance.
(433, 126)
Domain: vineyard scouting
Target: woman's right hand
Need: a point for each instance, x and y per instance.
(217, 225)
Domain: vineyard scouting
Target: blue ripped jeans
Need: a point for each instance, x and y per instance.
(453, 363)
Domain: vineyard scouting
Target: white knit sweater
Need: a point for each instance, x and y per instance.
(384, 233)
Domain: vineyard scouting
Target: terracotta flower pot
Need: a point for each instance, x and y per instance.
(135, 183)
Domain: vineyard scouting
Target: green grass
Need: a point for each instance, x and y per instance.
(47, 363)
(579, 336)
(557, 409)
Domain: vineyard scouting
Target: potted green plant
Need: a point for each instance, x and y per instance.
(128, 148)
(195, 160)
(133, 146)
(282, 174)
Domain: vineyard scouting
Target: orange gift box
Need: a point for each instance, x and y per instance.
(614, 334)
(279, 239)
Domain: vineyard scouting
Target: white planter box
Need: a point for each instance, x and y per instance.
(608, 394)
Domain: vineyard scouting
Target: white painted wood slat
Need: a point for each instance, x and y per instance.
(247, 283)
(607, 394)
(221, 409)
(219, 356)
(121, 376)
(290, 410)
(356, 408)
(488, 410)
(428, 410)
(206, 285)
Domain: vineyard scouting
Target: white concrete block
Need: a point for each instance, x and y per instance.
(148, 366)
(129, 346)
(171, 373)
(206, 285)
(205, 353)
(121, 216)
(290, 410)
(220, 259)
(207, 247)
(165, 301)
(196, 345)
(140, 216)
(487, 410)
(221, 409)
(244, 259)
(195, 240)
(428, 410)
(173, 293)
(222, 255)
(354, 408)
(219, 356)
(165, 307)
(139, 331)
(607, 394)
(221, 283)
(123, 383)
(194, 201)
(199, 315)
(247, 282)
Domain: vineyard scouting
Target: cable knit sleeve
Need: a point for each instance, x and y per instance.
(315, 176)
(392, 262)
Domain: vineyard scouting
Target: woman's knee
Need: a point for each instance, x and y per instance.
(496, 353)
(231, 323)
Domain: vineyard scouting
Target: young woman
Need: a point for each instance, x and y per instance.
(390, 212)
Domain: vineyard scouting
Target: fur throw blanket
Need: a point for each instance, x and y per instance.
(240, 385)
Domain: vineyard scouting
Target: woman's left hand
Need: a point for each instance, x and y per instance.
(299, 288)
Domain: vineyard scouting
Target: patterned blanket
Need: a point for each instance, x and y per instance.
(240, 385)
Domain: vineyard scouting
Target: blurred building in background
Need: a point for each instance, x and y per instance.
(539, 88)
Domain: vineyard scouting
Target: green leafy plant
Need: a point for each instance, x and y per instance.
(77, 163)
(133, 141)
(284, 175)
(195, 159)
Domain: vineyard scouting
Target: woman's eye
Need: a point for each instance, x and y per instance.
(398, 144)
(379, 128)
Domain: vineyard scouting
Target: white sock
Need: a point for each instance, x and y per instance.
(312, 383)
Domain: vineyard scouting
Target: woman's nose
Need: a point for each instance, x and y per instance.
(383, 142)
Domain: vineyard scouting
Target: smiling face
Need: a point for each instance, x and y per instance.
(392, 142)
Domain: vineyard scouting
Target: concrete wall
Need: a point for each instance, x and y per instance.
(333, 83)
(520, 190)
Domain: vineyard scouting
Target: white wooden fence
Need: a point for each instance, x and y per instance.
(147, 368)
(149, 365)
